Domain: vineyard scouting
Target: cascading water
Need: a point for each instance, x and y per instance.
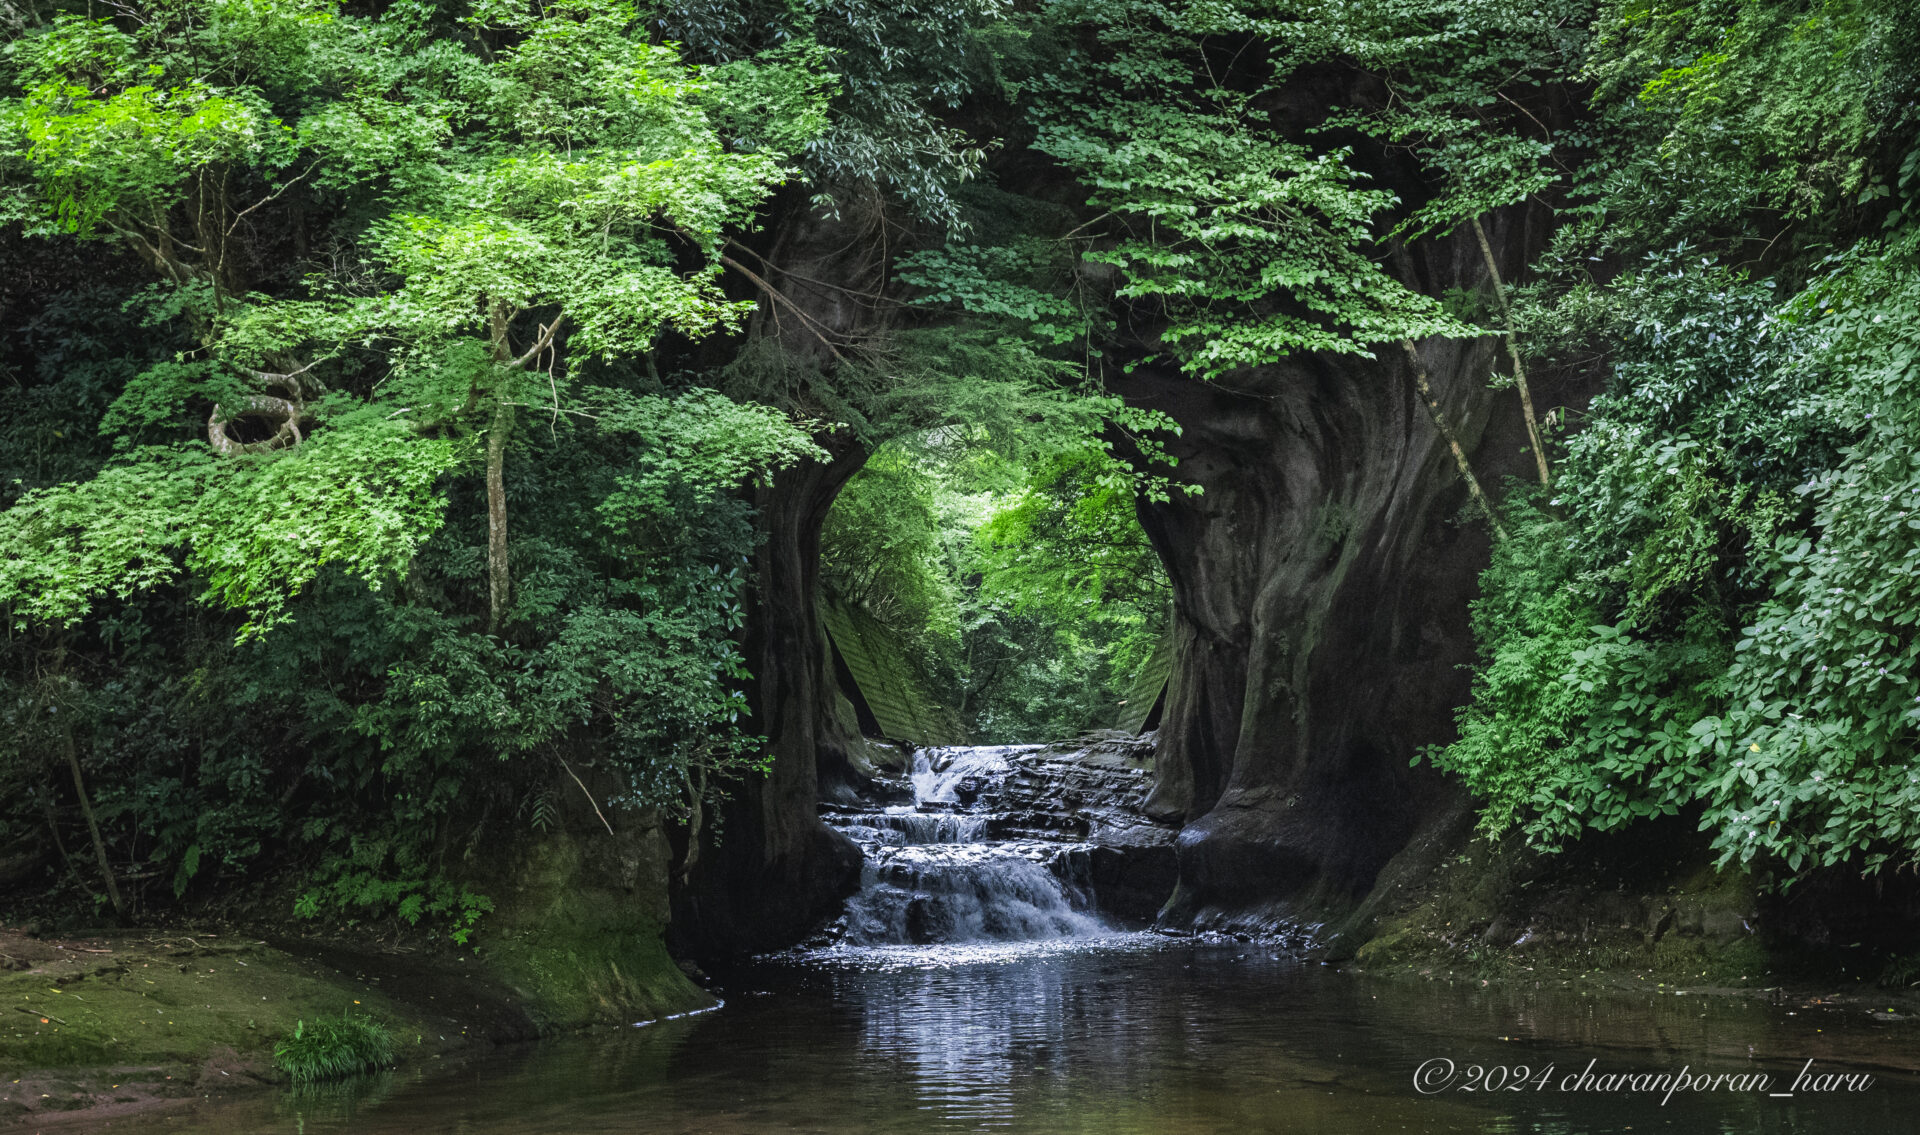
(942, 871)
(940, 776)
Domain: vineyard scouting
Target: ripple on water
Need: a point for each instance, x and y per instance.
(954, 955)
(1126, 1034)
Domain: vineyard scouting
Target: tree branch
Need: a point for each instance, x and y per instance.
(1513, 352)
(544, 340)
(274, 196)
(776, 294)
(1425, 389)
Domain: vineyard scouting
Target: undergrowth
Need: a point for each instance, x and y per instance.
(330, 1047)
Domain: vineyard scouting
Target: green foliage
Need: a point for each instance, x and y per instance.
(881, 549)
(257, 534)
(375, 878)
(584, 142)
(1012, 285)
(1072, 600)
(1468, 87)
(1026, 585)
(900, 67)
(405, 269)
(375, 243)
(1823, 709)
(327, 1048)
(1252, 245)
(1070, 535)
(66, 369)
(1781, 103)
(1714, 614)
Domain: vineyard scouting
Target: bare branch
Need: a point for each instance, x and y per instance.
(776, 294)
(288, 412)
(1513, 351)
(289, 382)
(1425, 390)
(583, 791)
(877, 297)
(274, 196)
(544, 340)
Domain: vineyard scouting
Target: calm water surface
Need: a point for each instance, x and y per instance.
(1126, 1035)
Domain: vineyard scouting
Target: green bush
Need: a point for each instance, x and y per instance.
(330, 1047)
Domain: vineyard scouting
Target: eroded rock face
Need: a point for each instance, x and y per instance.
(1321, 587)
(777, 870)
(1095, 790)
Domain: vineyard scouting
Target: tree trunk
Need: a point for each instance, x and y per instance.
(1513, 352)
(1424, 387)
(93, 825)
(498, 579)
(499, 431)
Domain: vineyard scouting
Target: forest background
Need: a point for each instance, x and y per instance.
(383, 388)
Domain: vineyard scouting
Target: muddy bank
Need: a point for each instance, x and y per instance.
(123, 1020)
(1644, 910)
(98, 1022)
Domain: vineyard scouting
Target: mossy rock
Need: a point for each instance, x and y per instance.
(1393, 947)
(577, 928)
(146, 1002)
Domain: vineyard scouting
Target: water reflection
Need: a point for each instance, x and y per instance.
(1121, 1036)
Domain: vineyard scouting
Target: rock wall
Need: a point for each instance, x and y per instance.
(1095, 790)
(576, 937)
(1321, 583)
(1321, 586)
(767, 869)
(1082, 796)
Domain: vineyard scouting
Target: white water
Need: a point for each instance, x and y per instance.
(965, 892)
(934, 876)
(904, 826)
(938, 772)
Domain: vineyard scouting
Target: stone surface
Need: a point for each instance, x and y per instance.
(1087, 793)
(778, 871)
(1322, 579)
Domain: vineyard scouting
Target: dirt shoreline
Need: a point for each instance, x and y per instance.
(109, 1023)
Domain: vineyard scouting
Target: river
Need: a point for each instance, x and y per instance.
(971, 987)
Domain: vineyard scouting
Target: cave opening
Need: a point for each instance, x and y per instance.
(975, 594)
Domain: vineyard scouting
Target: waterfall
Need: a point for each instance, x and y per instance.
(900, 826)
(936, 873)
(939, 774)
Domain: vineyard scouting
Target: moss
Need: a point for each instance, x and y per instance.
(579, 947)
(576, 940)
(588, 969)
(165, 1003)
(1639, 905)
(1389, 947)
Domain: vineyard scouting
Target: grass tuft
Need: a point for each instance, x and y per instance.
(330, 1047)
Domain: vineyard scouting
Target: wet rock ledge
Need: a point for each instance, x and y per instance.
(1086, 793)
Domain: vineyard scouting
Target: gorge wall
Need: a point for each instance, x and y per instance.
(1321, 582)
(765, 869)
